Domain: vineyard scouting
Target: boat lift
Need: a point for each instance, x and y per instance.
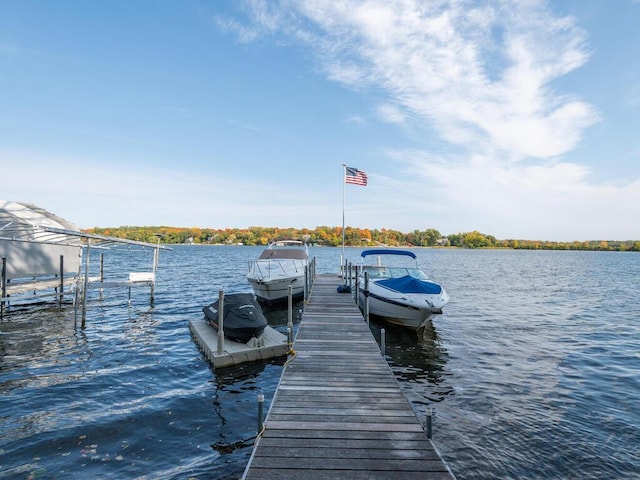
(44, 256)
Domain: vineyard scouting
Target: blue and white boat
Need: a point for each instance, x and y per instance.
(399, 291)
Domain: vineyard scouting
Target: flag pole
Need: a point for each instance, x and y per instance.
(344, 172)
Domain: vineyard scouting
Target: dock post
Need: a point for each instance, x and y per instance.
(290, 317)
(383, 341)
(220, 322)
(61, 287)
(76, 288)
(366, 297)
(101, 272)
(349, 274)
(429, 415)
(344, 269)
(3, 281)
(357, 268)
(156, 256)
(306, 283)
(260, 412)
(76, 298)
(85, 284)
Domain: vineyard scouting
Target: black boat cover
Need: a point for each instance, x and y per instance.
(242, 317)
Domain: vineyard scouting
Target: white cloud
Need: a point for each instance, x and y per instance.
(481, 75)
(523, 199)
(475, 71)
(356, 120)
(391, 113)
(245, 34)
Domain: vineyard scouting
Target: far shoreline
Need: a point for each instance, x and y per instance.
(352, 237)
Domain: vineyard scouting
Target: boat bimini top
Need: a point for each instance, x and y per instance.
(387, 251)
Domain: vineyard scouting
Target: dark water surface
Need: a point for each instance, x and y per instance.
(533, 371)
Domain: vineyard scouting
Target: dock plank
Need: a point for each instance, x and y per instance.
(338, 411)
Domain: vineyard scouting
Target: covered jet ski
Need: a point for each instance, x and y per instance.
(242, 317)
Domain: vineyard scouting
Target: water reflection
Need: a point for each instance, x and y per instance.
(235, 399)
(32, 342)
(418, 360)
(278, 314)
(235, 403)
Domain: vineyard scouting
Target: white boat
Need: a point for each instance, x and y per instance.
(282, 264)
(400, 293)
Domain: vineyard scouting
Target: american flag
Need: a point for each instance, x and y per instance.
(355, 176)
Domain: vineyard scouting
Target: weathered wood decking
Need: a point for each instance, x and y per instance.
(338, 411)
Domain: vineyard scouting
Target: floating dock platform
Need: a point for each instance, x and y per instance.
(271, 344)
(338, 411)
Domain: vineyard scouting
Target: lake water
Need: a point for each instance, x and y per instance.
(533, 371)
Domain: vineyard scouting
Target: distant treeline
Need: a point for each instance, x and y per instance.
(359, 237)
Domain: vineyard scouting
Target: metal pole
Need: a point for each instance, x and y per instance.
(101, 267)
(429, 415)
(156, 255)
(3, 281)
(356, 285)
(366, 297)
(220, 322)
(383, 341)
(101, 272)
(306, 283)
(76, 288)
(290, 317)
(349, 274)
(85, 283)
(61, 292)
(260, 412)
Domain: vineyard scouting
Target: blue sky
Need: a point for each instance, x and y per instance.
(515, 118)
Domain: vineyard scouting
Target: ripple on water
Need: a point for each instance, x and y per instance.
(533, 372)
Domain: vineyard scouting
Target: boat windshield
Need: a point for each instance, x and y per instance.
(397, 272)
(394, 272)
(283, 253)
(375, 271)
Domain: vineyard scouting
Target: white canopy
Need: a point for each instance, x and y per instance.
(33, 239)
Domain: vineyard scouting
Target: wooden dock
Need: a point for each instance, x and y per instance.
(338, 411)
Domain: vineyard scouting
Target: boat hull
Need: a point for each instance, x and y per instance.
(408, 310)
(399, 314)
(277, 289)
(278, 268)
